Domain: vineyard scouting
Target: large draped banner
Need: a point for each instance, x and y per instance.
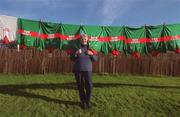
(105, 39)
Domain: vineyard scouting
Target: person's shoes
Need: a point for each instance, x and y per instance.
(84, 106)
(89, 105)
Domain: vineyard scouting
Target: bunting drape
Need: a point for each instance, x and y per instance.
(105, 39)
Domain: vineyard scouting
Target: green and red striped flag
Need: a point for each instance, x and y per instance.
(70, 35)
(93, 33)
(49, 35)
(135, 42)
(172, 37)
(154, 39)
(105, 39)
(28, 32)
(117, 39)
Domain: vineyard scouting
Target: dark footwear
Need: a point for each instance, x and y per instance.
(89, 105)
(84, 106)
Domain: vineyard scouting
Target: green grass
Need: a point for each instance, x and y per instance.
(55, 95)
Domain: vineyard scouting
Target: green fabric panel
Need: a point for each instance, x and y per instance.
(28, 25)
(168, 45)
(49, 28)
(19, 36)
(155, 32)
(135, 33)
(93, 31)
(95, 45)
(72, 30)
(150, 32)
(105, 45)
(113, 31)
(172, 30)
(74, 45)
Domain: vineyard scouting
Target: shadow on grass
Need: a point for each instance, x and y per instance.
(102, 85)
(19, 90)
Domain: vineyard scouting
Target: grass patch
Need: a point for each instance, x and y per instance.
(55, 95)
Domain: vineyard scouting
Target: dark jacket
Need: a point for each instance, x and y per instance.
(83, 61)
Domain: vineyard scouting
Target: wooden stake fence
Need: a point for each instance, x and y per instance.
(33, 61)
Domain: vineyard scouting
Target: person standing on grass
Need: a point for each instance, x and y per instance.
(83, 58)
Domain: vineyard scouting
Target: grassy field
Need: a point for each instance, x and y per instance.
(55, 95)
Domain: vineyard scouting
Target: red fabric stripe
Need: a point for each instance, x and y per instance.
(104, 39)
(57, 35)
(20, 31)
(128, 40)
(78, 36)
(160, 39)
(143, 40)
(34, 34)
(148, 40)
(168, 38)
(64, 37)
(123, 38)
(43, 36)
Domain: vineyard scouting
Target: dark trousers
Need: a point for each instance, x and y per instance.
(84, 84)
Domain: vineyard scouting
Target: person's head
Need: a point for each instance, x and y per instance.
(84, 39)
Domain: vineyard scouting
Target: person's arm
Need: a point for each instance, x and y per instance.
(74, 56)
(93, 56)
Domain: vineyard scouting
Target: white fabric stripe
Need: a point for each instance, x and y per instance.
(51, 36)
(114, 39)
(71, 37)
(135, 41)
(25, 32)
(93, 39)
(154, 40)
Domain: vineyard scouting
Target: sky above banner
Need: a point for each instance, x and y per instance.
(95, 12)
